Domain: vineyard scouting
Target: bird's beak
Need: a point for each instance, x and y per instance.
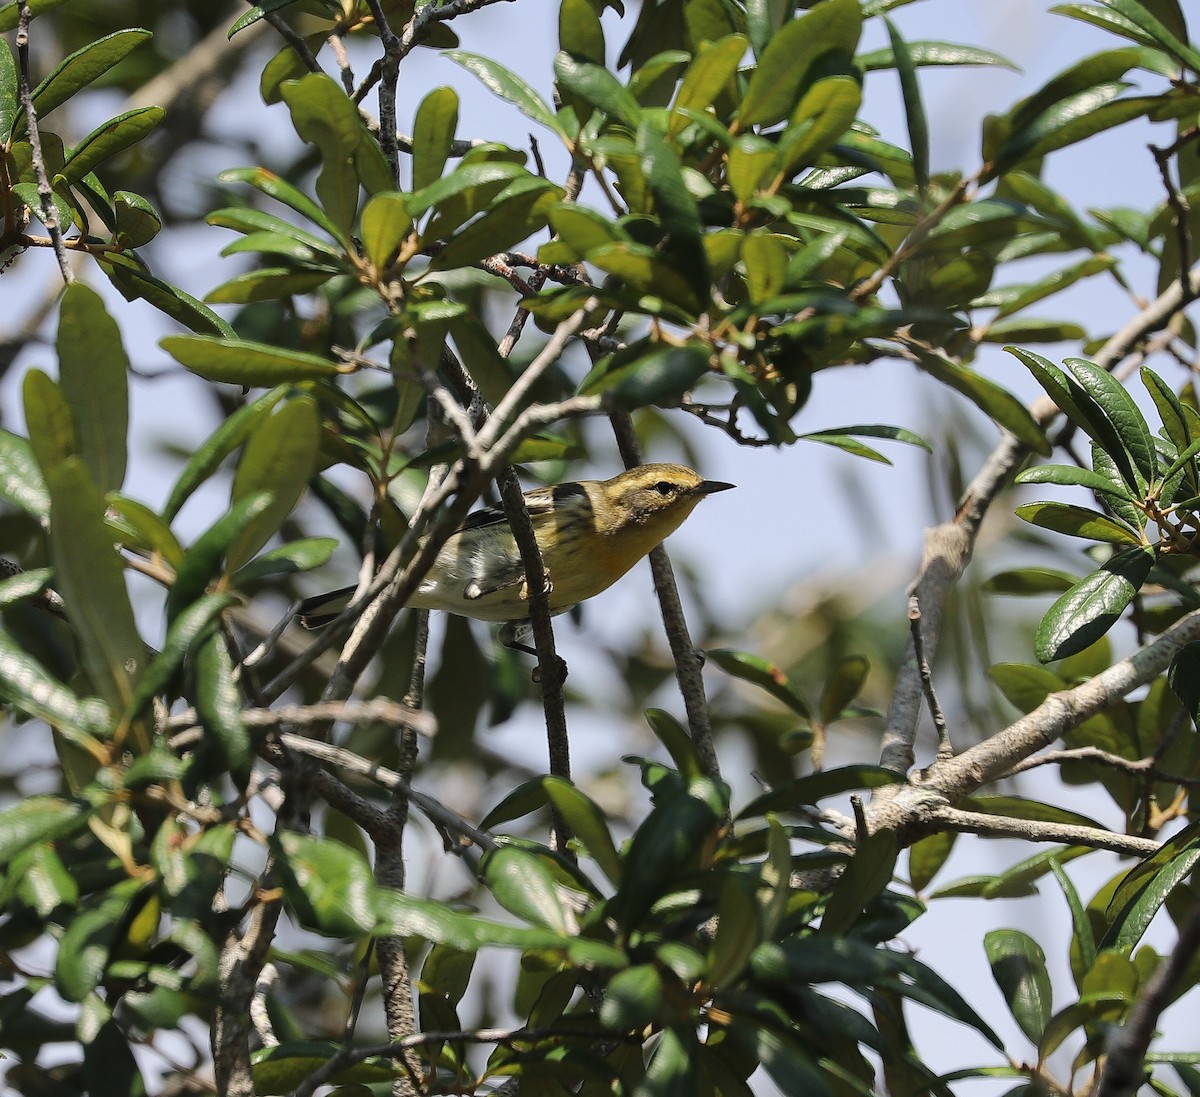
(707, 487)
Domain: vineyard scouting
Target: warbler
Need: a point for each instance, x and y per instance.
(590, 533)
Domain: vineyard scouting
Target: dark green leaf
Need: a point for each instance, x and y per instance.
(1076, 521)
(914, 109)
(93, 372)
(524, 885)
(675, 206)
(1091, 607)
(328, 884)
(1184, 678)
(808, 790)
(1119, 409)
(594, 84)
(763, 673)
(279, 459)
(1067, 476)
(587, 823)
(35, 820)
(991, 399)
(84, 67)
(115, 135)
(9, 98)
(83, 951)
(1019, 968)
(273, 186)
(658, 375)
(137, 221)
(219, 705)
(91, 580)
(135, 283)
(24, 682)
(866, 875)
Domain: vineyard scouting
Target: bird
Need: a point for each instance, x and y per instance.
(590, 533)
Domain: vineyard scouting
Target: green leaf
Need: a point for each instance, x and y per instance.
(676, 208)
(267, 284)
(1076, 521)
(328, 884)
(219, 707)
(1029, 581)
(35, 820)
(811, 789)
(587, 823)
(924, 54)
(84, 949)
(844, 684)
(288, 559)
(645, 271)
(1090, 608)
(48, 420)
(1019, 968)
(1147, 886)
(707, 77)
(507, 86)
(10, 12)
(633, 999)
(991, 399)
(1066, 476)
(1184, 678)
(137, 221)
(433, 133)
(826, 37)
(90, 579)
(241, 362)
(135, 283)
(1141, 16)
(594, 84)
(866, 875)
(385, 225)
(1134, 452)
(136, 526)
(21, 480)
(10, 101)
(824, 114)
(763, 673)
(325, 116)
(25, 683)
(522, 883)
(202, 562)
(273, 186)
(93, 371)
(637, 377)
(914, 109)
(280, 458)
(182, 634)
(84, 67)
(510, 220)
(205, 461)
(765, 258)
(114, 136)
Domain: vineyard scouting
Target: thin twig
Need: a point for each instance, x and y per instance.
(49, 211)
(1039, 830)
(945, 748)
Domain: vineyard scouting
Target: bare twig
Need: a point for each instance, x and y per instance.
(1037, 830)
(945, 749)
(688, 661)
(49, 212)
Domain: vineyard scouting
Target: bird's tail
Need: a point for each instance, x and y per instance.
(320, 609)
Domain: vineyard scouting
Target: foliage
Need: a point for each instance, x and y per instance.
(218, 838)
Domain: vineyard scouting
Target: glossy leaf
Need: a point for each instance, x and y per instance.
(587, 823)
(137, 221)
(282, 191)
(824, 114)
(114, 136)
(925, 54)
(9, 97)
(523, 884)
(25, 683)
(507, 85)
(1019, 968)
(783, 66)
(328, 884)
(1184, 678)
(762, 673)
(21, 480)
(84, 67)
(93, 370)
(1134, 443)
(1091, 607)
(594, 84)
(1147, 886)
(660, 375)
(1076, 521)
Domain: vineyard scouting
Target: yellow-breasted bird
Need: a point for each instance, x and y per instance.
(590, 533)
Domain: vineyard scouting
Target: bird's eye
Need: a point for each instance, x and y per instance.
(664, 487)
